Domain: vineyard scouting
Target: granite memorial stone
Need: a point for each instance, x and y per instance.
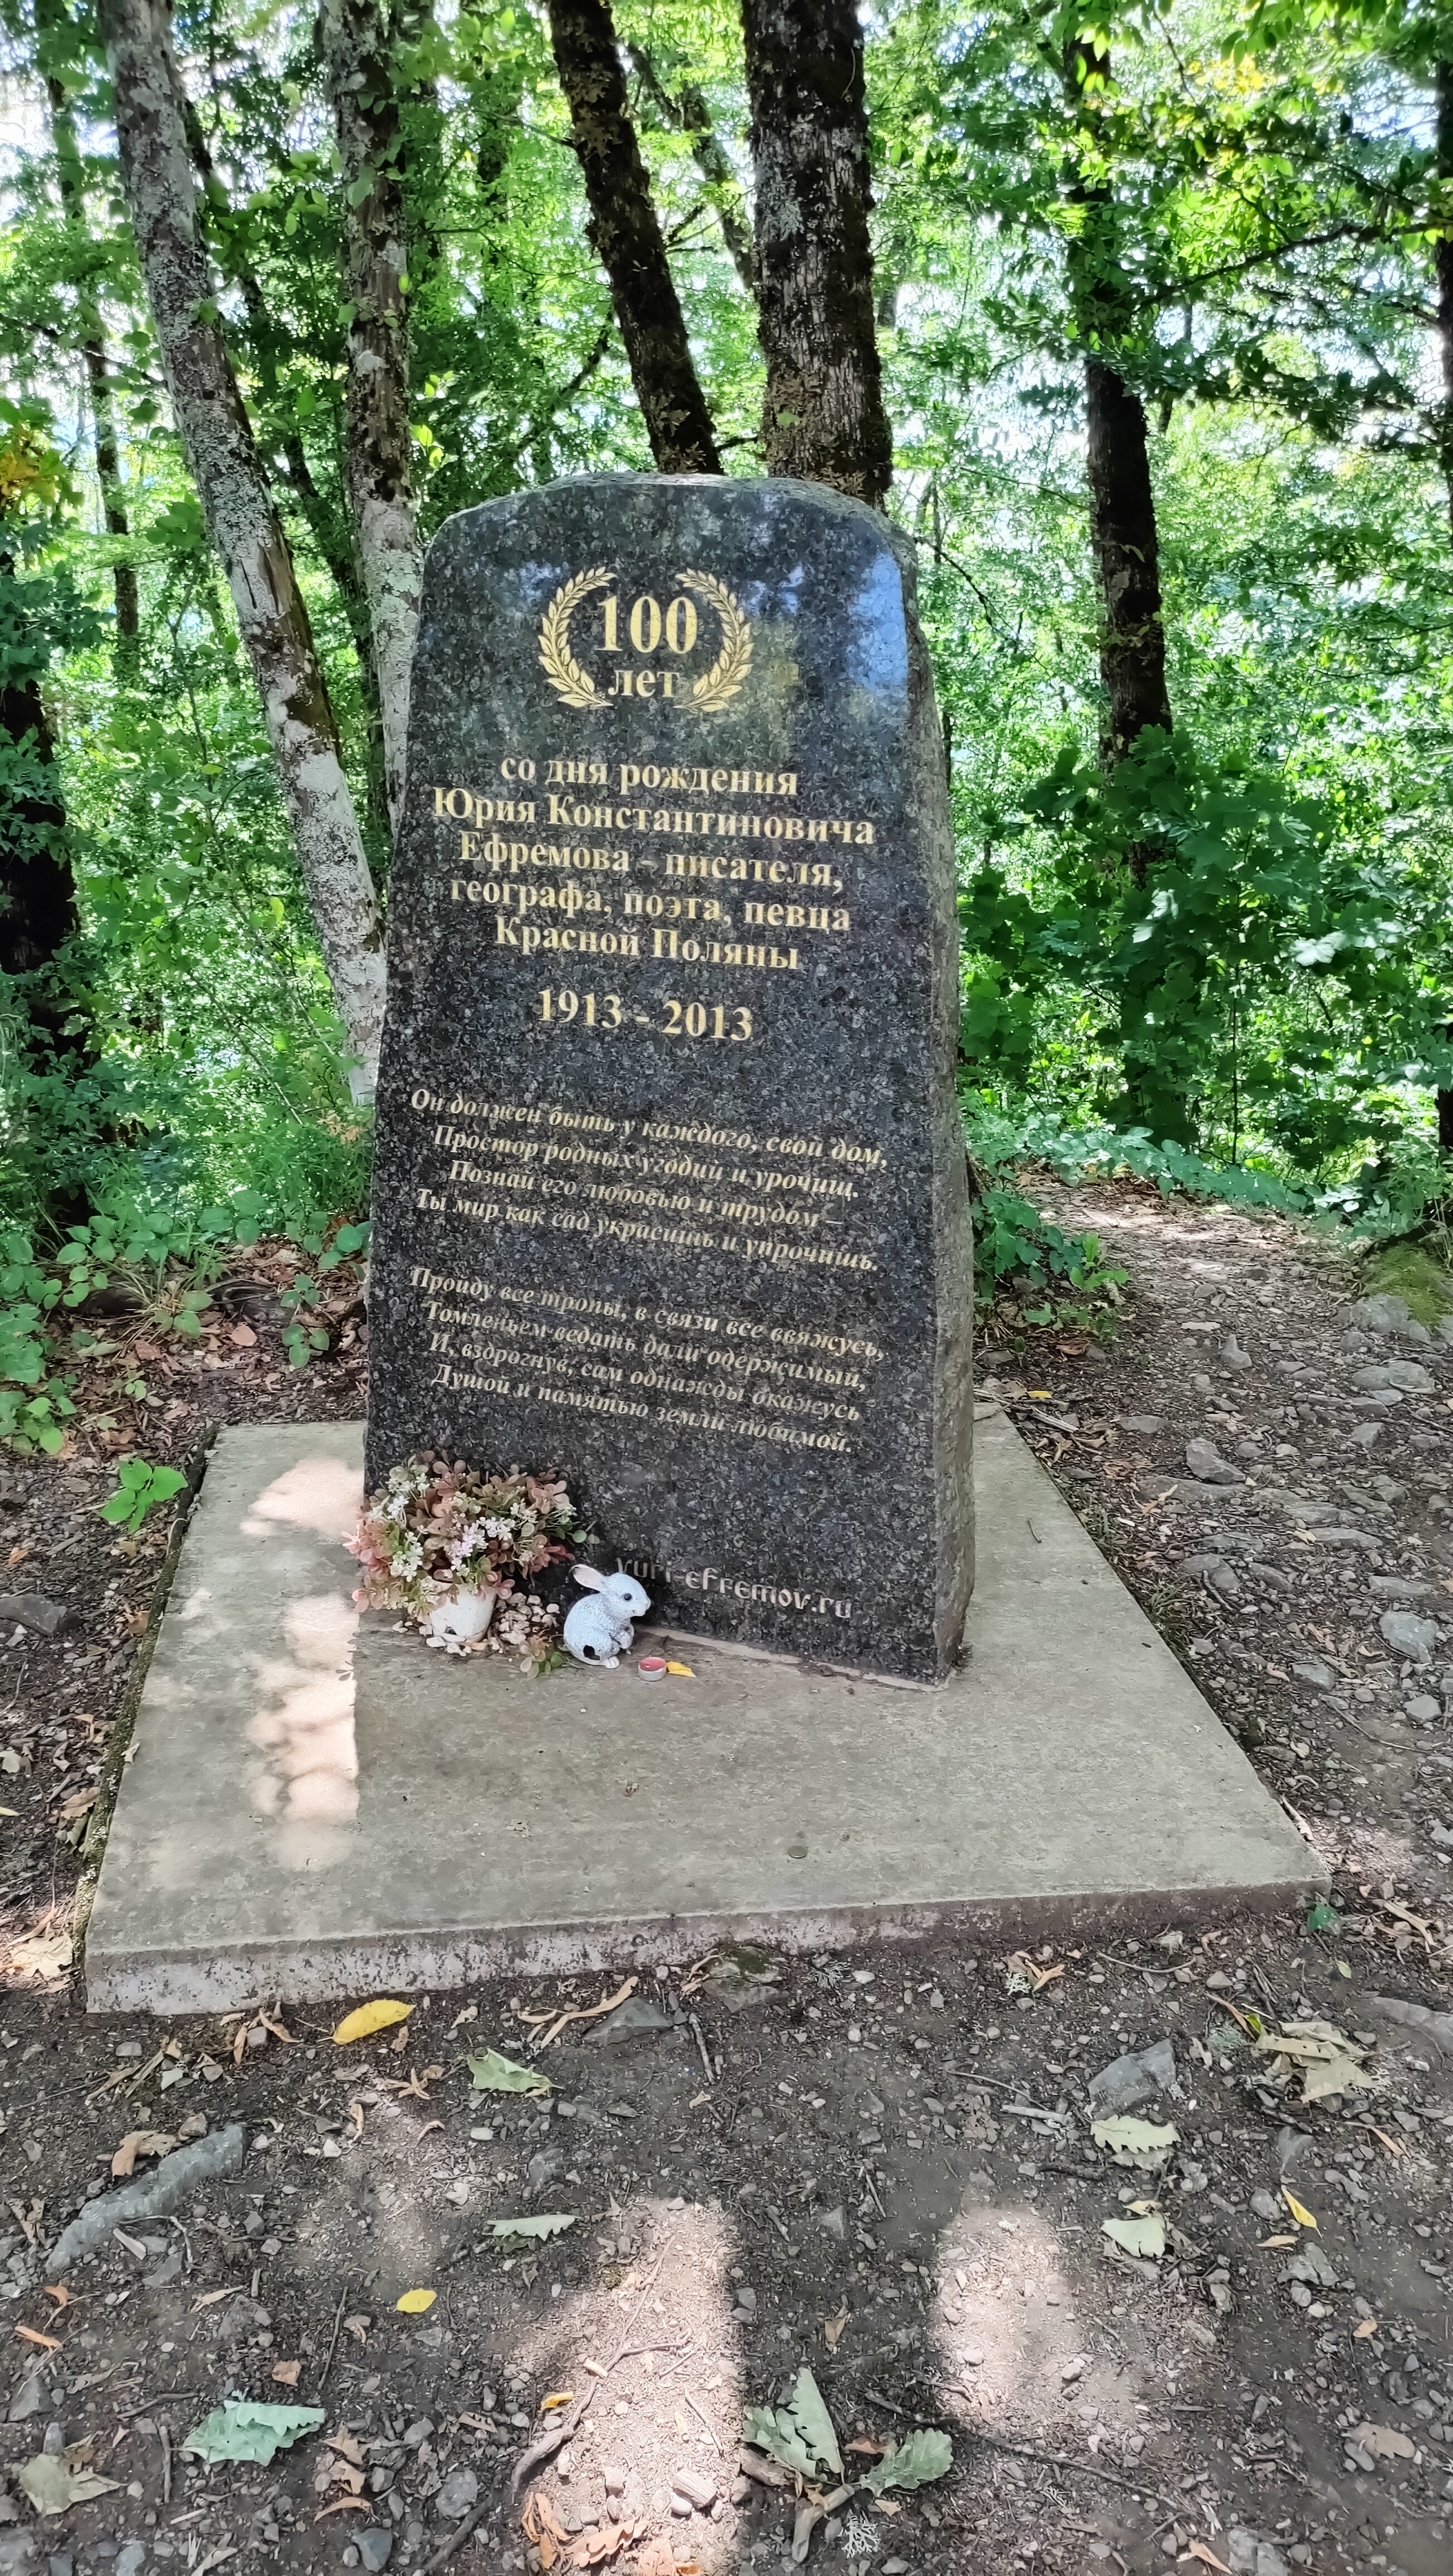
(669, 1189)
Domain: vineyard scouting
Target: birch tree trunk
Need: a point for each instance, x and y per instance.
(329, 524)
(627, 239)
(241, 519)
(87, 258)
(363, 89)
(823, 416)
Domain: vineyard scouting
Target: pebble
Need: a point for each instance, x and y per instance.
(375, 2548)
(458, 2492)
(33, 1610)
(613, 2478)
(1149, 1423)
(1134, 2078)
(1319, 1675)
(545, 2166)
(28, 2400)
(1424, 1707)
(698, 2488)
(1209, 1467)
(1408, 1635)
(1233, 1357)
(131, 2559)
(1388, 1316)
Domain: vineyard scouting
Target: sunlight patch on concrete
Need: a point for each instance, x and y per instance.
(317, 1493)
(307, 1782)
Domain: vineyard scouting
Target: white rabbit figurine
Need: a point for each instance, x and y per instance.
(599, 1631)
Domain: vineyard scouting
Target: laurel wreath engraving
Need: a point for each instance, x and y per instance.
(561, 669)
(728, 673)
(710, 692)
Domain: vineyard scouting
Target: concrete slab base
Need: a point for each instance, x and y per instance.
(318, 1809)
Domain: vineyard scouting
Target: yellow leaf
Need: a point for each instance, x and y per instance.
(684, 1670)
(414, 2302)
(560, 2397)
(369, 2018)
(1302, 2216)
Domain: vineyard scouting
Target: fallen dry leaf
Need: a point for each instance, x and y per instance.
(346, 2445)
(243, 1337)
(833, 2327)
(344, 2504)
(541, 2524)
(1383, 2442)
(1019, 1962)
(287, 2373)
(368, 2019)
(140, 2142)
(357, 2327)
(1367, 2327)
(209, 2298)
(414, 2302)
(56, 2290)
(1207, 2557)
(557, 2021)
(1302, 2216)
(32, 2334)
(44, 1953)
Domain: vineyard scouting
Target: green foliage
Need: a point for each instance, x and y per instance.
(1237, 209)
(1064, 1278)
(922, 2456)
(140, 1489)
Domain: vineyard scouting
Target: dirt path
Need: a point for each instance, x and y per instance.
(878, 2163)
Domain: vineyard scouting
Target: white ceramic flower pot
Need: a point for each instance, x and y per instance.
(462, 1621)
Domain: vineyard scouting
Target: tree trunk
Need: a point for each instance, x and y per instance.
(823, 415)
(362, 87)
(689, 113)
(37, 895)
(627, 240)
(283, 449)
(1123, 534)
(1443, 273)
(87, 259)
(238, 508)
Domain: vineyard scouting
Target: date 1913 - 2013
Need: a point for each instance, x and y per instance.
(560, 1005)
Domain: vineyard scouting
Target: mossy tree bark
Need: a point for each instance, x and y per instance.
(823, 416)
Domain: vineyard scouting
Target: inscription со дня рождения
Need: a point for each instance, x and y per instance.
(670, 1191)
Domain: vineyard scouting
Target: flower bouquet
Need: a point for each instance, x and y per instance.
(452, 1551)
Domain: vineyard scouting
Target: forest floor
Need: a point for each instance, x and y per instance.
(877, 2162)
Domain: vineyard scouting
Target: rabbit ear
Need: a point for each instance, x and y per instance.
(588, 1576)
